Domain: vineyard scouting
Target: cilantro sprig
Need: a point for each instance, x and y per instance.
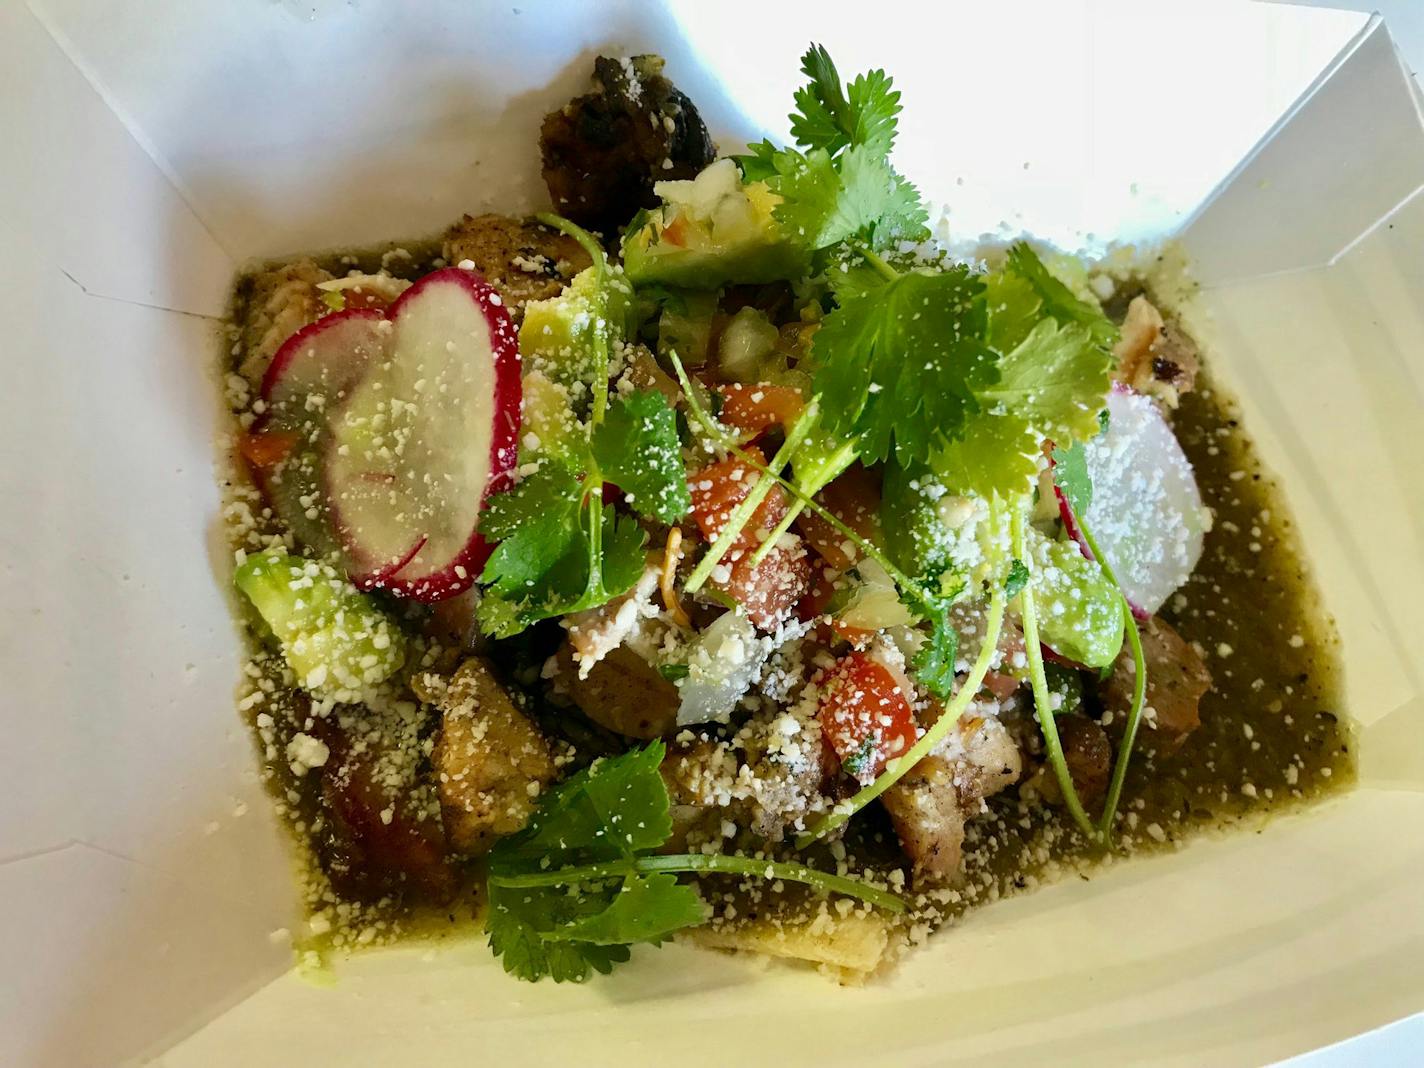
(839, 184)
(1070, 475)
(582, 883)
(934, 662)
(561, 549)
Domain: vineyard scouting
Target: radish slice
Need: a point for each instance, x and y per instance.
(311, 375)
(1146, 513)
(424, 438)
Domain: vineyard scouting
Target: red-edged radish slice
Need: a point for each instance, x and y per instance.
(1146, 513)
(424, 438)
(310, 376)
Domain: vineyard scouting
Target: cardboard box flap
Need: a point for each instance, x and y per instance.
(1343, 159)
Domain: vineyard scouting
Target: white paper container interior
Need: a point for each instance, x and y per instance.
(150, 149)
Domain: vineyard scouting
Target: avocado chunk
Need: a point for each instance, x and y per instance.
(558, 336)
(710, 232)
(334, 638)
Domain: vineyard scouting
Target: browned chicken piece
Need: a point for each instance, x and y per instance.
(282, 301)
(786, 776)
(521, 258)
(777, 780)
(931, 803)
(604, 150)
(1088, 754)
(622, 692)
(379, 838)
(1177, 679)
(928, 815)
(595, 633)
(490, 760)
(1154, 356)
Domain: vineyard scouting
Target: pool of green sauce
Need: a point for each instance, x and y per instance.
(1251, 609)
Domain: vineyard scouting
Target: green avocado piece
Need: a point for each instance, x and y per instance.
(710, 232)
(557, 335)
(334, 638)
(1079, 610)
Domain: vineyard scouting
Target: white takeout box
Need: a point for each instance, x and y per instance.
(148, 150)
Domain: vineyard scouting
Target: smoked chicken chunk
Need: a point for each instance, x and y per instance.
(522, 259)
(491, 762)
(931, 803)
(1177, 680)
(603, 151)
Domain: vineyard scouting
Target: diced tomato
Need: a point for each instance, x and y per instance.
(266, 448)
(360, 297)
(864, 715)
(756, 407)
(854, 499)
(770, 591)
(718, 488)
(675, 232)
(1001, 686)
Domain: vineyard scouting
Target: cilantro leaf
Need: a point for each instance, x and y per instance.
(1056, 299)
(1070, 475)
(535, 524)
(1016, 580)
(852, 278)
(759, 163)
(637, 448)
(601, 557)
(581, 883)
(899, 367)
(821, 119)
(832, 118)
(841, 187)
(515, 923)
(1014, 308)
(646, 908)
(997, 454)
(611, 809)
(857, 196)
(1056, 379)
(934, 663)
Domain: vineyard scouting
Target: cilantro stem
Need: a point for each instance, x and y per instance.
(705, 864)
(749, 504)
(871, 257)
(600, 306)
(931, 738)
(1139, 685)
(1042, 700)
(865, 547)
(843, 458)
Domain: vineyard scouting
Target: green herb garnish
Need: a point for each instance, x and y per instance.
(561, 549)
(841, 187)
(1017, 579)
(582, 883)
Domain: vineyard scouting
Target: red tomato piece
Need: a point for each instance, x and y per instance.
(756, 407)
(853, 498)
(865, 715)
(266, 448)
(718, 488)
(770, 591)
(359, 297)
